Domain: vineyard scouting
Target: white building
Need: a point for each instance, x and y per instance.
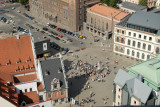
(139, 36)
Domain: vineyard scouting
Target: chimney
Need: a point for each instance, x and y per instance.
(17, 36)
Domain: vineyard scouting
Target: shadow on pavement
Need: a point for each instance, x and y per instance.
(76, 85)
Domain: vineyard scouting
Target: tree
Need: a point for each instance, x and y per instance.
(143, 2)
(112, 3)
(24, 2)
(105, 1)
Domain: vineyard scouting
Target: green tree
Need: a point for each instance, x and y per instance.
(143, 2)
(24, 2)
(112, 3)
(105, 1)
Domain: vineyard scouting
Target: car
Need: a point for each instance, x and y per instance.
(52, 45)
(46, 34)
(63, 41)
(54, 33)
(58, 29)
(70, 40)
(60, 36)
(25, 14)
(57, 38)
(42, 31)
(53, 26)
(50, 31)
(13, 8)
(44, 28)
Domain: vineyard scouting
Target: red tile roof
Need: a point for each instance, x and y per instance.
(40, 86)
(25, 78)
(29, 97)
(18, 54)
(107, 11)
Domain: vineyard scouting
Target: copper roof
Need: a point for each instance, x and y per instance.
(107, 11)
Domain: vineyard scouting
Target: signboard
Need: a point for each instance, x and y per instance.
(44, 46)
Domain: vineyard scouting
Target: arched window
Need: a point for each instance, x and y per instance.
(122, 50)
(122, 40)
(143, 55)
(137, 54)
(133, 53)
(148, 56)
(117, 39)
(157, 50)
(117, 48)
(129, 42)
(128, 51)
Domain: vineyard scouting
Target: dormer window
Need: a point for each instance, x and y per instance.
(47, 73)
(23, 69)
(18, 69)
(59, 70)
(19, 61)
(32, 67)
(29, 60)
(9, 63)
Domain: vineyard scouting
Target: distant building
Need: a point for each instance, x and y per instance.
(131, 7)
(102, 18)
(42, 44)
(139, 36)
(132, 1)
(68, 14)
(140, 86)
(151, 3)
(158, 4)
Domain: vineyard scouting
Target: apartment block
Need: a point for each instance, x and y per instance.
(139, 36)
(102, 18)
(68, 14)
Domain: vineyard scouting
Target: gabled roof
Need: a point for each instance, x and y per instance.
(122, 77)
(51, 67)
(149, 69)
(138, 89)
(16, 56)
(145, 19)
(29, 97)
(25, 78)
(107, 11)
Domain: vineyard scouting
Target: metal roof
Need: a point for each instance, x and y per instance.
(133, 6)
(52, 66)
(38, 36)
(149, 69)
(145, 19)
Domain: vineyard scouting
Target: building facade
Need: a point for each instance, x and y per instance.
(132, 1)
(151, 3)
(136, 37)
(158, 4)
(68, 14)
(140, 85)
(102, 18)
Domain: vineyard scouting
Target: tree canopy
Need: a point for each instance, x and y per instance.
(112, 3)
(143, 2)
(24, 2)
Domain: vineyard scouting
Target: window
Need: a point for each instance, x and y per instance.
(134, 34)
(128, 51)
(148, 56)
(20, 91)
(144, 46)
(41, 97)
(117, 48)
(150, 38)
(157, 50)
(55, 94)
(118, 103)
(43, 106)
(117, 39)
(122, 40)
(56, 101)
(143, 55)
(62, 99)
(137, 54)
(122, 50)
(119, 89)
(30, 89)
(62, 92)
(132, 53)
(118, 30)
(145, 37)
(134, 102)
(106, 26)
(49, 95)
(158, 40)
(122, 31)
(139, 45)
(139, 35)
(134, 43)
(149, 47)
(129, 42)
(25, 90)
(119, 96)
(129, 33)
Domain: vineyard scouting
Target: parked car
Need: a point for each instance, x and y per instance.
(18, 11)
(13, 8)
(60, 36)
(44, 28)
(63, 41)
(58, 29)
(57, 38)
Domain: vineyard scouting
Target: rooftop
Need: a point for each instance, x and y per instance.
(16, 56)
(133, 6)
(51, 67)
(25, 78)
(107, 11)
(135, 87)
(149, 69)
(38, 36)
(145, 19)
